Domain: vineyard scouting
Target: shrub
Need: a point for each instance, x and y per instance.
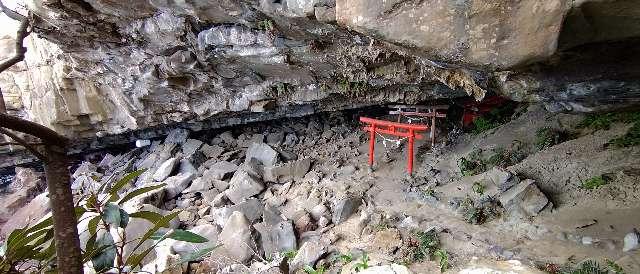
(595, 182)
(428, 243)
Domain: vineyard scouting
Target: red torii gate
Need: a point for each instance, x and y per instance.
(392, 128)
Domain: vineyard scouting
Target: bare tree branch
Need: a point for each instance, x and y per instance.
(23, 32)
(19, 144)
(47, 135)
(24, 143)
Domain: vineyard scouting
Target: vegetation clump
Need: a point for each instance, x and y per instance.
(477, 161)
(547, 137)
(604, 121)
(586, 267)
(427, 246)
(494, 118)
(480, 211)
(596, 182)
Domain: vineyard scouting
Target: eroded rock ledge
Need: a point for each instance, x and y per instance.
(113, 67)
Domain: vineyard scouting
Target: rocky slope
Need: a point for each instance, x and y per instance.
(112, 67)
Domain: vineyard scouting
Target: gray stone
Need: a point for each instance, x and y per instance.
(347, 170)
(236, 238)
(344, 208)
(213, 151)
(525, 196)
(499, 177)
(176, 184)
(251, 208)
(386, 269)
(308, 254)
(210, 195)
(186, 216)
(190, 147)
(263, 153)
(177, 136)
(295, 170)
(227, 138)
(319, 211)
(277, 237)
(631, 241)
(187, 167)
(325, 14)
(165, 169)
(290, 140)
(243, 186)
(220, 185)
(220, 169)
(198, 185)
(275, 138)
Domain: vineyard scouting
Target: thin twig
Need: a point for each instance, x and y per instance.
(19, 144)
(21, 34)
(23, 143)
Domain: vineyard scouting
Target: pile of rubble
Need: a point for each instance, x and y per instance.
(256, 195)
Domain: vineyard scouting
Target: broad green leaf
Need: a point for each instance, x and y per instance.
(93, 224)
(147, 215)
(124, 218)
(126, 179)
(182, 235)
(42, 224)
(79, 210)
(196, 256)
(111, 214)
(105, 259)
(139, 192)
(134, 261)
(24, 240)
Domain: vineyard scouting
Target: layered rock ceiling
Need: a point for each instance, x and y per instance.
(105, 66)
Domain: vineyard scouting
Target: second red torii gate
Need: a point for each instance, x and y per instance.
(392, 128)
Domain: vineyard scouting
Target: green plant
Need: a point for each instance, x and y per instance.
(494, 118)
(589, 267)
(102, 207)
(429, 191)
(471, 213)
(615, 268)
(631, 138)
(482, 124)
(428, 243)
(598, 121)
(290, 254)
(478, 188)
(443, 259)
(472, 164)
(310, 270)
(362, 264)
(266, 25)
(595, 182)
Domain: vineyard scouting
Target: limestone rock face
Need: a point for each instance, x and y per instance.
(101, 67)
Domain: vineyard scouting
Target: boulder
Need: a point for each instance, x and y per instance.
(177, 136)
(251, 208)
(263, 153)
(213, 151)
(37, 208)
(209, 195)
(198, 185)
(308, 254)
(296, 170)
(631, 241)
(190, 147)
(276, 233)
(219, 170)
(177, 183)
(275, 138)
(524, 196)
(236, 238)
(165, 169)
(243, 186)
(386, 269)
(344, 208)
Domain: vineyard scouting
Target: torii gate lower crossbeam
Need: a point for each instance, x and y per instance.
(392, 128)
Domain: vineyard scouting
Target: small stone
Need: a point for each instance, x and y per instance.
(325, 14)
(209, 195)
(213, 151)
(319, 211)
(587, 240)
(631, 241)
(186, 216)
(204, 211)
(220, 185)
(176, 184)
(347, 170)
(227, 138)
(220, 169)
(275, 138)
(198, 185)
(290, 140)
(220, 200)
(165, 169)
(143, 143)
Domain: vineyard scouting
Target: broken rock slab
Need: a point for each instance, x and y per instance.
(263, 153)
(344, 208)
(177, 136)
(220, 169)
(177, 183)
(308, 254)
(190, 147)
(242, 186)
(296, 170)
(276, 233)
(165, 169)
(236, 238)
(631, 241)
(251, 208)
(524, 196)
